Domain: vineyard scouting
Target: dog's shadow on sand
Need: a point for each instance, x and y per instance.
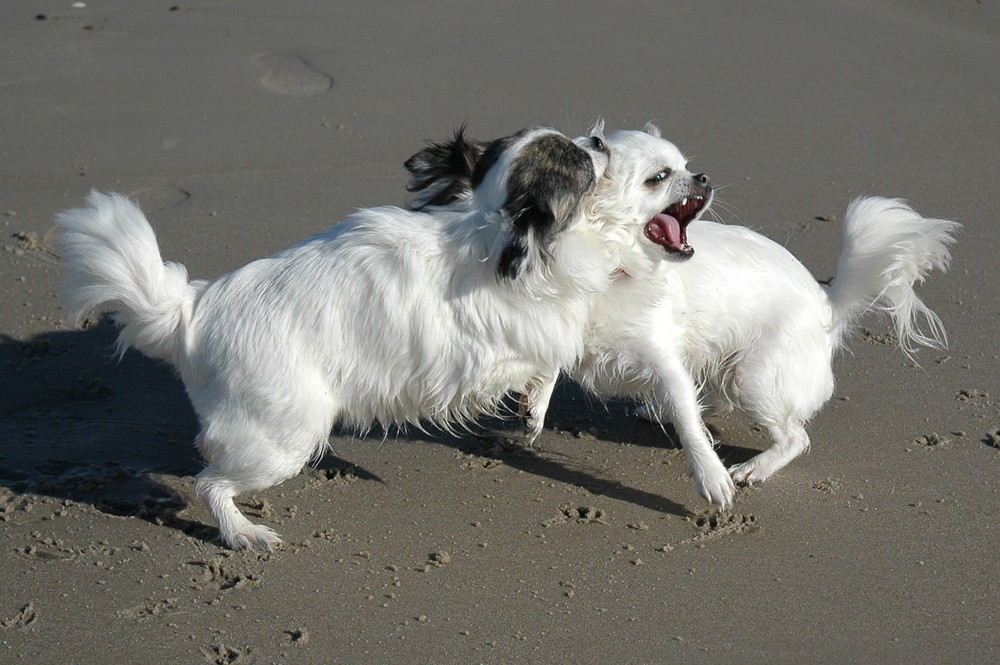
(79, 425)
(578, 416)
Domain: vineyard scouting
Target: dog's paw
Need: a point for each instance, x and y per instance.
(714, 484)
(533, 427)
(750, 472)
(254, 537)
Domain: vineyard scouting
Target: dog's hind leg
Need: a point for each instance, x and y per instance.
(234, 528)
(246, 463)
(790, 441)
(781, 385)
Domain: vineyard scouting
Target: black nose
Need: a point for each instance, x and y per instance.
(703, 180)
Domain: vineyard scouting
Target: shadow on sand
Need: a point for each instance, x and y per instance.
(77, 424)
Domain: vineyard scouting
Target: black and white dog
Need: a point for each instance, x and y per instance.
(716, 317)
(394, 316)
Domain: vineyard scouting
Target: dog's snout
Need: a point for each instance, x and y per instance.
(702, 180)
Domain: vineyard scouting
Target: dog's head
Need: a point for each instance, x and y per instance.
(649, 190)
(536, 179)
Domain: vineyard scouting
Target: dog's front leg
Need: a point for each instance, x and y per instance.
(677, 396)
(534, 404)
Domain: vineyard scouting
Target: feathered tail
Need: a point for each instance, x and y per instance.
(112, 262)
(888, 248)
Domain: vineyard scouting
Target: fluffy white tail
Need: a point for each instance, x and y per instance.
(888, 248)
(113, 262)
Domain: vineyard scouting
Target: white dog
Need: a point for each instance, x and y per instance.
(715, 317)
(388, 317)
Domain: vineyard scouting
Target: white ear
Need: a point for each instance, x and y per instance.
(651, 129)
(597, 129)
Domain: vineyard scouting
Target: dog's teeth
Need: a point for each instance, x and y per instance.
(684, 202)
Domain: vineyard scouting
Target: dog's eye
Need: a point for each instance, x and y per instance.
(659, 177)
(597, 144)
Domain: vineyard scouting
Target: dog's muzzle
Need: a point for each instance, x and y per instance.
(668, 229)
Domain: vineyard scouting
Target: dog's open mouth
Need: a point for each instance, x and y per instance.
(668, 229)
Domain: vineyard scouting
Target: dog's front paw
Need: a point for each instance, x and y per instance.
(254, 537)
(532, 429)
(714, 484)
(532, 409)
(755, 470)
(533, 426)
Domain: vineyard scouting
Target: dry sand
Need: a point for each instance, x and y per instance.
(244, 126)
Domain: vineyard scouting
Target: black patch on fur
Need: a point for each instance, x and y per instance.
(490, 155)
(451, 164)
(544, 187)
(512, 258)
(546, 182)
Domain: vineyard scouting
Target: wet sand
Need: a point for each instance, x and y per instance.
(242, 127)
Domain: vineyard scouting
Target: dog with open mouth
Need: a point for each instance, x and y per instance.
(706, 317)
(394, 316)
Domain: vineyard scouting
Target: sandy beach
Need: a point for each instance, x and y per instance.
(243, 127)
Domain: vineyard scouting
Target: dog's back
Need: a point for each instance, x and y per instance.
(395, 316)
(390, 317)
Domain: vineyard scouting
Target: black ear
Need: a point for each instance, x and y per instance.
(442, 172)
(512, 259)
(547, 180)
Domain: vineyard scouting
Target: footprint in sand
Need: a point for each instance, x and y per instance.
(287, 74)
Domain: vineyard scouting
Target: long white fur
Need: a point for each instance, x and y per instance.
(392, 316)
(743, 324)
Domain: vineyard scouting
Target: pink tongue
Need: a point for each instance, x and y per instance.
(666, 231)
